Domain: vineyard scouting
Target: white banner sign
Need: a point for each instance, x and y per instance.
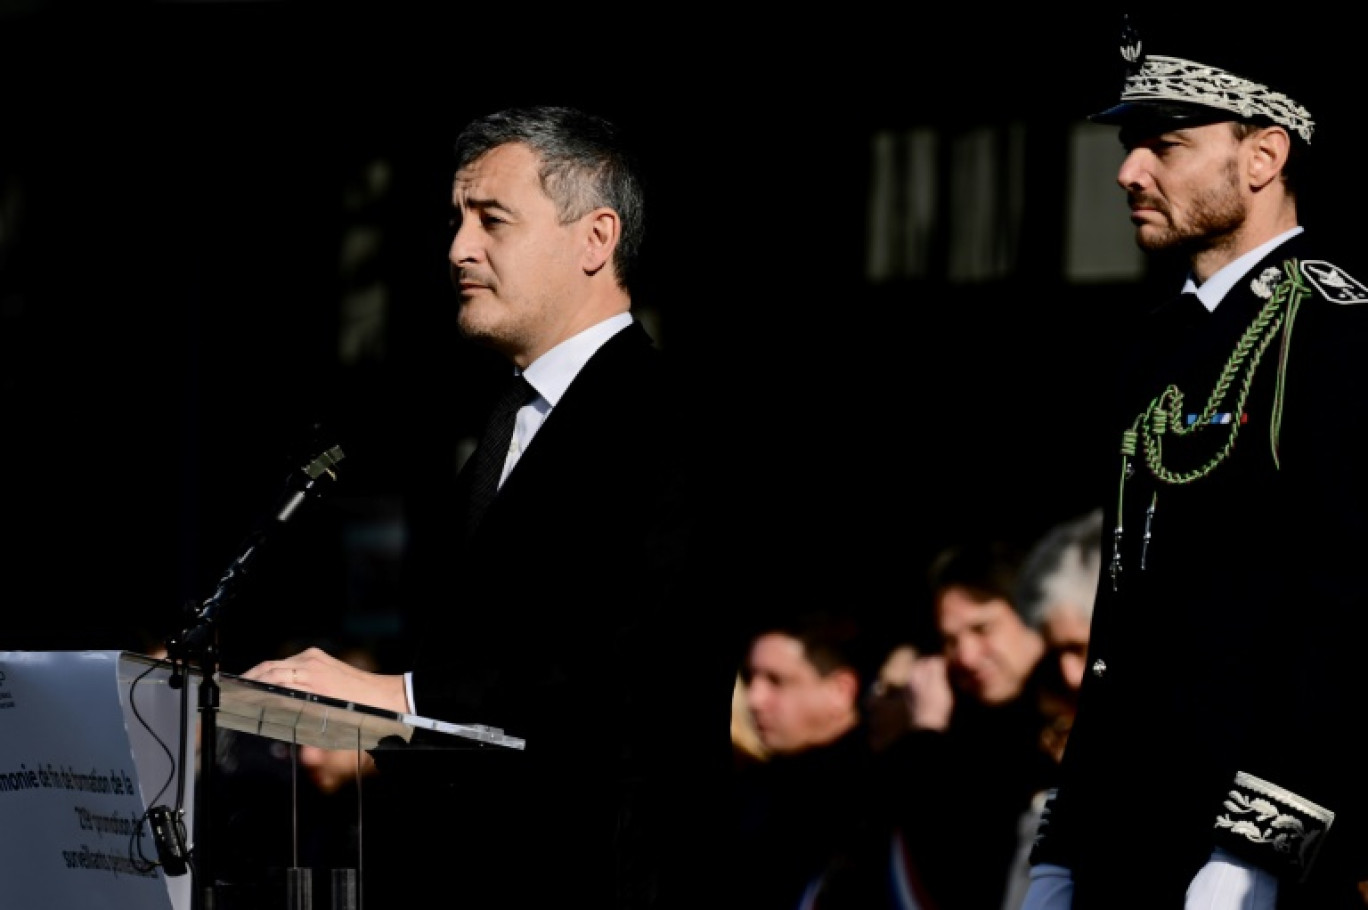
(78, 768)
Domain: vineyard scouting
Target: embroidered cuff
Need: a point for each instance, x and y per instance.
(1271, 826)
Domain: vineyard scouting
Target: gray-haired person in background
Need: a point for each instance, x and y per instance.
(1055, 594)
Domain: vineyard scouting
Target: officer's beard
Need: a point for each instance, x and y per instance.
(1212, 221)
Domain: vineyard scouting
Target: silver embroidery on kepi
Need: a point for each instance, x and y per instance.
(1157, 78)
(1334, 283)
(1175, 79)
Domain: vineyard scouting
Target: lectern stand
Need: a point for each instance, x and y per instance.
(308, 719)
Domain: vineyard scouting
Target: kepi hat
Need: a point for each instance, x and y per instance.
(1190, 88)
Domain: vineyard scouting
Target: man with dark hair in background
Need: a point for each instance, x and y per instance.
(803, 813)
(961, 776)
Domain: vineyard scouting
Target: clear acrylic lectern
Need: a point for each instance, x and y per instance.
(309, 719)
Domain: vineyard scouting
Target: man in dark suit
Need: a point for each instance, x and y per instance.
(577, 610)
(1215, 761)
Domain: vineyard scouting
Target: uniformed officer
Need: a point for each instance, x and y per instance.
(1215, 759)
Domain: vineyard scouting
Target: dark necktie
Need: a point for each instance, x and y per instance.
(487, 461)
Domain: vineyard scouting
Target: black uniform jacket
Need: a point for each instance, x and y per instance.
(583, 617)
(1227, 686)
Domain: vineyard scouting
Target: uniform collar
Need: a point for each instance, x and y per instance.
(1212, 291)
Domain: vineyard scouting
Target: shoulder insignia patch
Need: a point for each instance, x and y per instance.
(1334, 283)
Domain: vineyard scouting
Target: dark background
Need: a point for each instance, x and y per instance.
(174, 185)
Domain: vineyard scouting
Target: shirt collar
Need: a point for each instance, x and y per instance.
(551, 373)
(1213, 290)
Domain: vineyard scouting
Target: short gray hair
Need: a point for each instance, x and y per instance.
(586, 162)
(1062, 570)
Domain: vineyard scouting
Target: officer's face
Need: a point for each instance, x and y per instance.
(1184, 186)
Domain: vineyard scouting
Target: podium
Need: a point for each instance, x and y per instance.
(302, 718)
(309, 719)
(94, 743)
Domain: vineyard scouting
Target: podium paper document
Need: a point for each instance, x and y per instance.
(77, 771)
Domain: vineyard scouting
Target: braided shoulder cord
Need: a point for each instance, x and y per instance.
(1295, 290)
(1164, 414)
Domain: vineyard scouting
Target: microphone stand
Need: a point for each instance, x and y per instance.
(198, 644)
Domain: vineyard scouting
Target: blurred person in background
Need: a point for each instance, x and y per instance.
(1055, 594)
(746, 740)
(1057, 589)
(957, 782)
(803, 815)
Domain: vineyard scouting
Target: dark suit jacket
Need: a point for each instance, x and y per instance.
(956, 796)
(805, 824)
(583, 617)
(1227, 690)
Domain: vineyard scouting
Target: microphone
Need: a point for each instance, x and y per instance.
(299, 486)
(307, 476)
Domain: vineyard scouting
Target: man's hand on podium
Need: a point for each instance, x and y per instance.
(315, 670)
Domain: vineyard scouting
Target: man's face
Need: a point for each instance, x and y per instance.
(512, 262)
(989, 650)
(1184, 187)
(1065, 631)
(794, 706)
